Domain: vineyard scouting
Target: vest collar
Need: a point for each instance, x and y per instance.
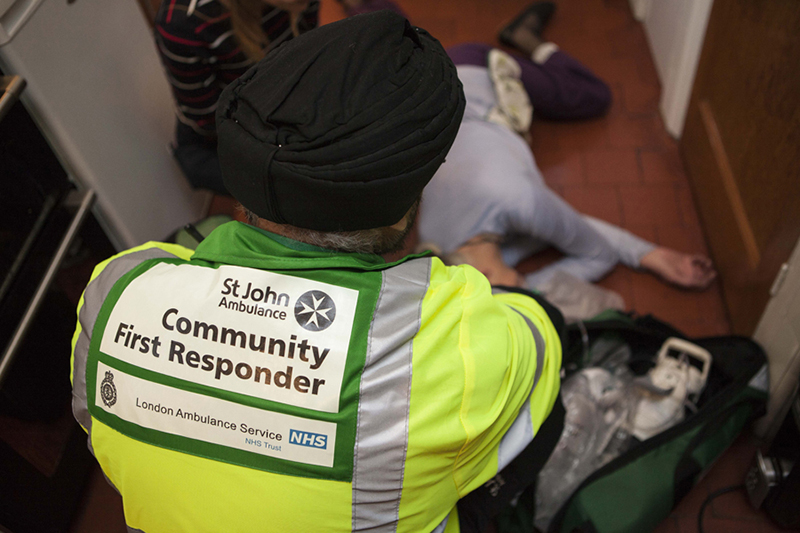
(236, 243)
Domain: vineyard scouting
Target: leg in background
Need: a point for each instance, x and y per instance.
(200, 165)
(559, 86)
(474, 54)
(197, 157)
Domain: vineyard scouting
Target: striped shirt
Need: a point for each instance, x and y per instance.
(201, 55)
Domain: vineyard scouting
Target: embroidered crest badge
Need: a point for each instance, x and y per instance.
(108, 391)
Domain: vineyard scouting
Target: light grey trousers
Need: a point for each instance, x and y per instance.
(490, 184)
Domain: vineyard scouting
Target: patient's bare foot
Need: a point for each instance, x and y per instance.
(691, 271)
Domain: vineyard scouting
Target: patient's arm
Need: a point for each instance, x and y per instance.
(545, 217)
(592, 248)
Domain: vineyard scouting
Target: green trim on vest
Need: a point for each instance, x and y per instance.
(362, 274)
(257, 248)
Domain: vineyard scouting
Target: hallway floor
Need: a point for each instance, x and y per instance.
(623, 168)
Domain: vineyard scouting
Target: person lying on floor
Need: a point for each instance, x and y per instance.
(488, 204)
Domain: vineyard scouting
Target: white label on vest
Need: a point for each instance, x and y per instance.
(267, 335)
(196, 416)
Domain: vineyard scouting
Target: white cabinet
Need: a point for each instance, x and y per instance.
(98, 92)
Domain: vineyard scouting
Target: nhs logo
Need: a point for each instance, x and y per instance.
(304, 438)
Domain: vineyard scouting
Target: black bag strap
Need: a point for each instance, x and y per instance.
(627, 322)
(642, 334)
(477, 509)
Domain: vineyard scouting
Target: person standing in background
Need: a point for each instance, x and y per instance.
(206, 44)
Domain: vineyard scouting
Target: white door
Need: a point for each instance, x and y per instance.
(779, 333)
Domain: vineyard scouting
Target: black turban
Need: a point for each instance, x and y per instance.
(342, 127)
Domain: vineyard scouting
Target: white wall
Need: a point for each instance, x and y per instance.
(779, 333)
(675, 30)
(99, 94)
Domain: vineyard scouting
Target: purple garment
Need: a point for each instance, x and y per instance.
(561, 88)
(375, 5)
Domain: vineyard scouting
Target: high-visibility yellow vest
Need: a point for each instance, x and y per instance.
(261, 384)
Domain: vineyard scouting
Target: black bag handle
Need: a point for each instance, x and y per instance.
(688, 468)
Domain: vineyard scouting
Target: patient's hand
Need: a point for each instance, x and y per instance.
(691, 271)
(485, 256)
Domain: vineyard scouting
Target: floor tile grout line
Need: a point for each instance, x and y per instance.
(640, 164)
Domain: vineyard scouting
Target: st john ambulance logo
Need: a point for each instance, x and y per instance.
(108, 391)
(315, 310)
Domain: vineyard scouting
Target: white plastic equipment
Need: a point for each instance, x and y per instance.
(677, 379)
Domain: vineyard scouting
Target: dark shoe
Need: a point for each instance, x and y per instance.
(543, 11)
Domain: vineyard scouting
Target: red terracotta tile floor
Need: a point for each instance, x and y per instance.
(623, 168)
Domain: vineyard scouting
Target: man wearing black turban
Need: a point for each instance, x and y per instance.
(361, 118)
(284, 376)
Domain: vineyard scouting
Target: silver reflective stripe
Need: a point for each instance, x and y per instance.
(93, 298)
(131, 530)
(382, 432)
(540, 347)
(441, 527)
(520, 434)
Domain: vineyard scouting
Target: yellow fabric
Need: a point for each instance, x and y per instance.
(544, 396)
(197, 492)
(452, 522)
(474, 364)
